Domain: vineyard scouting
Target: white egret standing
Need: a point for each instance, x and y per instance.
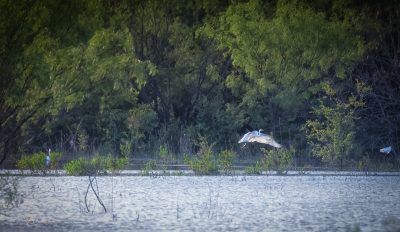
(258, 137)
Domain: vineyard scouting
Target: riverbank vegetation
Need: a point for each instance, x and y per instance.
(98, 165)
(153, 80)
(36, 163)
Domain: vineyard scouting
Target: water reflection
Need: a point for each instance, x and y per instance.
(267, 203)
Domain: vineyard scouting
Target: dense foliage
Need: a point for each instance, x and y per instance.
(132, 77)
(36, 163)
(97, 165)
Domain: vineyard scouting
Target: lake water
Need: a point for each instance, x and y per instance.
(208, 203)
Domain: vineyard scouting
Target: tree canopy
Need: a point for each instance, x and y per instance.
(92, 75)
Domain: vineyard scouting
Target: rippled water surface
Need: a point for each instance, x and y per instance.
(211, 203)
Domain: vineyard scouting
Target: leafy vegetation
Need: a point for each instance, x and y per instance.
(332, 138)
(98, 165)
(278, 159)
(150, 168)
(226, 159)
(36, 163)
(204, 162)
(151, 77)
(255, 169)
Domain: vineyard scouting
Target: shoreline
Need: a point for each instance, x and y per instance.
(161, 173)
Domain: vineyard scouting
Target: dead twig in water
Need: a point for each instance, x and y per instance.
(91, 179)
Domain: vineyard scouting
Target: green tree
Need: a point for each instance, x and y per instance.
(281, 56)
(331, 134)
(30, 31)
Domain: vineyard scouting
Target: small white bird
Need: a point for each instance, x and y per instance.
(258, 137)
(386, 150)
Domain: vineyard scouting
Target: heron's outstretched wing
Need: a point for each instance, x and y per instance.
(245, 138)
(386, 150)
(266, 139)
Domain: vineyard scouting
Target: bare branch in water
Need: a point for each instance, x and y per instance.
(95, 193)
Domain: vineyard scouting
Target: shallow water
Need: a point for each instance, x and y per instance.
(217, 203)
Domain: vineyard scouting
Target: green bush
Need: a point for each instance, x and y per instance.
(148, 168)
(126, 149)
(332, 134)
(255, 169)
(121, 163)
(77, 167)
(55, 158)
(36, 162)
(278, 159)
(115, 165)
(165, 155)
(98, 165)
(204, 162)
(364, 164)
(226, 159)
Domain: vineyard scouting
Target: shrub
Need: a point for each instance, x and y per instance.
(364, 164)
(255, 169)
(164, 154)
(121, 163)
(226, 159)
(98, 165)
(36, 162)
(77, 167)
(126, 149)
(278, 159)
(115, 165)
(148, 168)
(55, 158)
(203, 163)
(331, 134)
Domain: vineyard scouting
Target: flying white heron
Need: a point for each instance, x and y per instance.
(258, 137)
(386, 150)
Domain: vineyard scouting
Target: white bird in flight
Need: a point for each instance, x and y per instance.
(386, 150)
(258, 137)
